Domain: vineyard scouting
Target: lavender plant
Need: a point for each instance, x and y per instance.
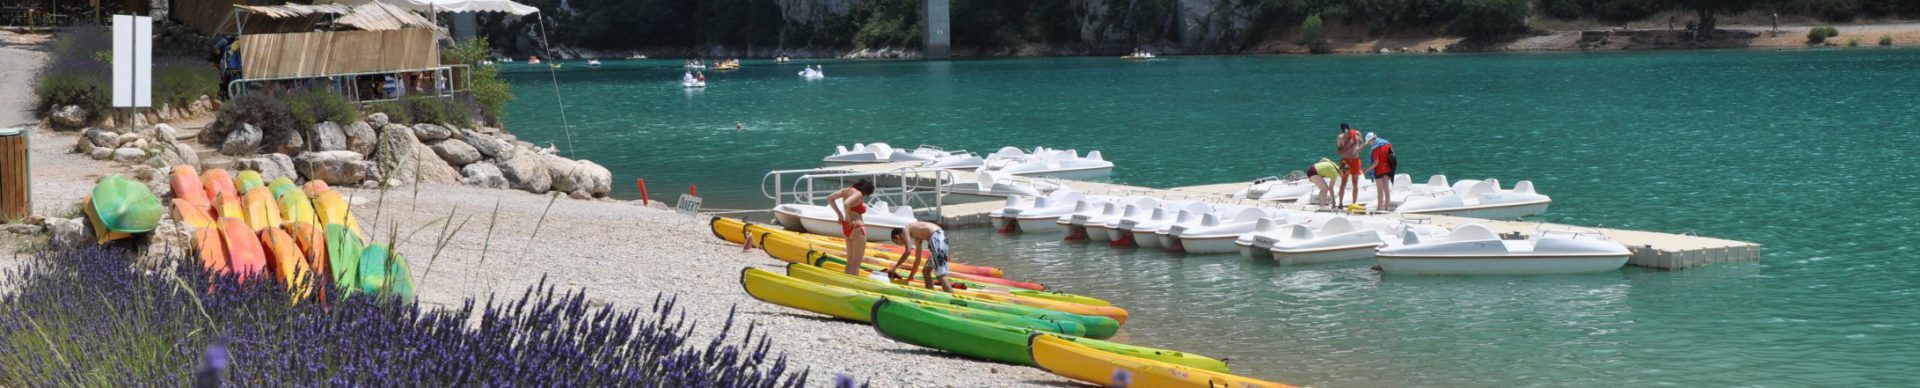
(89, 317)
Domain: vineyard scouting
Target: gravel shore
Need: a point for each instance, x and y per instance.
(500, 242)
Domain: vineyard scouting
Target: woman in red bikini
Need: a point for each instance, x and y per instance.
(852, 221)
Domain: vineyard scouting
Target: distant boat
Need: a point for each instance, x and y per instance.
(1138, 56)
(690, 84)
(533, 60)
(507, 60)
(636, 57)
(593, 62)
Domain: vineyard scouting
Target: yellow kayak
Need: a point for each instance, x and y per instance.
(1080, 362)
(262, 211)
(331, 208)
(287, 261)
(295, 208)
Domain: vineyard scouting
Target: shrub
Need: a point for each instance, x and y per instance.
(178, 81)
(77, 73)
(396, 113)
(314, 106)
(1819, 35)
(434, 110)
(1855, 42)
(1490, 18)
(1886, 40)
(489, 92)
(1310, 30)
(272, 116)
(91, 317)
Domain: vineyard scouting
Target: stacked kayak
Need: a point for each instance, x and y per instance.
(986, 316)
(276, 230)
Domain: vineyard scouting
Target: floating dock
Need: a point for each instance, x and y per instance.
(1650, 249)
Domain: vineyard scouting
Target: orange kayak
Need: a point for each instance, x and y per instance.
(213, 250)
(262, 211)
(284, 258)
(244, 252)
(227, 204)
(215, 182)
(186, 186)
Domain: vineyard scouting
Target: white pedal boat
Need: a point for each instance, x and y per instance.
(1100, 228)
(1216, 234)
(999, 185)
(693, 84)
(1075, 225)
(1472, 249)
(1172, 237)
(593, 62)
(1066, 164)
(881, 153)
(1041, 216)
(1480, 199)
(812, 75)
(1137, 230)
(881, 219)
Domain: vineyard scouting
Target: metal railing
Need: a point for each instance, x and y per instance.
(238, 87)
(918, 188)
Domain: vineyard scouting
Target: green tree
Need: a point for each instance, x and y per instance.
(1709, 11)
(1490, 18)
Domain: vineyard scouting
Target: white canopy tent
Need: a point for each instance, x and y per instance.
(454, 6)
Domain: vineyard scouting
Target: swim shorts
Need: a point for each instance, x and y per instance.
(938, 252)
(1353, 166)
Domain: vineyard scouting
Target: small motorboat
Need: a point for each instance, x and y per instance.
(533, 60)
(1038, 216)
(999, 184)
(882, 153)
(1216, 234)
(1137, 56)
(507, 60)
(881, 219)
(1479, 199)
(1472, 249)
(812, 74)
(693, 84)
(486, 62)
(727, 65)
(635, 57)
(593, 62)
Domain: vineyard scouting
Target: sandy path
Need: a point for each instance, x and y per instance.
(620, 253)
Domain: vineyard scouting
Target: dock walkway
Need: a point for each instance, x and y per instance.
(1650, 249)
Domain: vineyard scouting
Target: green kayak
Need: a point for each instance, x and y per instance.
(996, 342)
(856, 306)
(384, 272)
(344, 253)
(1061, 296)
(1097, 326)
(126, 206)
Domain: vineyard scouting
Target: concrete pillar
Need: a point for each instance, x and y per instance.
(939, 31)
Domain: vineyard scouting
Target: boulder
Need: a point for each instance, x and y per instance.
(483, 175)
(101, 137)
(394, 144)
(129, 155)
(136, 144)
(100, 153)
(489, 146)
(525, 171)
(242, 141)
(187, 155)
(456, 152)
(204, 104)
(83, 146)
(561, 171)
(166, 155)
(431, 132)
(163, 133)
(339, 168)
(69, 233)
(598, 181)
(292, 144)
(579, 194)
(122, 140)
(402, 157)
(270, 166)
(328, 136)
(361, 138)
(70, 116)
(169, 239)
(378, 120)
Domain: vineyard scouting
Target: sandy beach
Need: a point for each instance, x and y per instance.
(620, 253)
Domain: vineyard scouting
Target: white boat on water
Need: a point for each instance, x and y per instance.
(1040, 215)
(593, 62)
(1472, 249)
(1100, 228)
(1479, 199)
(693, 84)
(1216, 234)
(880, 219)
(1042, 161)
(812, 74)
(999, 184)
(1144, 232)
(1324, 239)
(881, 153)
(1075, 225)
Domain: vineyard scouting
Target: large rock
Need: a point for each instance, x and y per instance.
(173, 154)
(204, 104)
(70, 116)
(527, 171)
(162, 133)
(242, 141)
(328, 136)
(431, 132)
(168, 240)
(187, 155)
(378, 120)
(101, 138)
(291, 144)
(561, 170)
(335, 167)
(129, 155)
(456, 152)
(489, 146)
(401, 157)
(69, 233)
(101, 153)
(598, 181)
(270, 166)
(361, 138)
(483, 175)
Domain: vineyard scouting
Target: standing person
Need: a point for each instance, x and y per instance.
(1319, 174)
(930, 235)
(1382, 171)
(853, 220)
(1348, 145)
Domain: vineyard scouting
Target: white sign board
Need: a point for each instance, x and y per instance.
(689, 205)
(132, 61)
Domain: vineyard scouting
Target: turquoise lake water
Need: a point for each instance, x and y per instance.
(1810, 153)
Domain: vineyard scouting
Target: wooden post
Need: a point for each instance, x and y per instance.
(16, 187)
